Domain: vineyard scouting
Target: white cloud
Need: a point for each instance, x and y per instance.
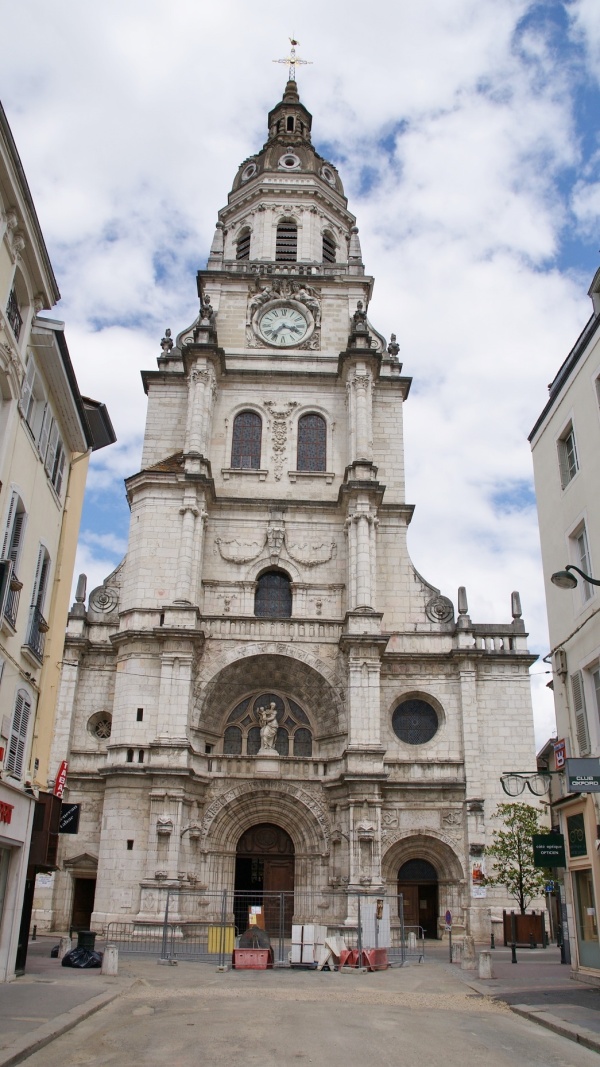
(131, 119)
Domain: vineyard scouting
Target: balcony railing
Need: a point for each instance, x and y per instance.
(36, 634)
(11, 606)
(13, 314)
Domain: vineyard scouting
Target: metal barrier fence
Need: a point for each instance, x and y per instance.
(206, 927)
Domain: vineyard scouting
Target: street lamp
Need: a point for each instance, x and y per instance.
(566, 580)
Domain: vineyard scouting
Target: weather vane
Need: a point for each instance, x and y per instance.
(293, 61)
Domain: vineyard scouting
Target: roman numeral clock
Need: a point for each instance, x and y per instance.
(284, 325)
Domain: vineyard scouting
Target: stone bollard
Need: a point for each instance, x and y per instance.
(65, 944)
(485, 965)
(412, 941)
(468, 956)
(456, 952)
(110, 960)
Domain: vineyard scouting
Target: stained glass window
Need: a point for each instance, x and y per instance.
(247, 433)
(253, 743)
(273, 597)
(232, 741)
(303, 742)
(312, 443)
(415, 722)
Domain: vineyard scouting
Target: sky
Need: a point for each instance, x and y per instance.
(466, 135)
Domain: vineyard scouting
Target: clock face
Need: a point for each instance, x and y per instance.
(283, 326)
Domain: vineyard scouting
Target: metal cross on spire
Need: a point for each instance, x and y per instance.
(293, 61)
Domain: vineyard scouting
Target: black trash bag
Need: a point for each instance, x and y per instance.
(82, 957)
(54, 952)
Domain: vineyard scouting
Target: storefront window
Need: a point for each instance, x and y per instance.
(586, 918)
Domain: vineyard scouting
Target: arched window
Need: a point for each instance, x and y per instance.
(303, 742)
(286, 245)
(273, 597)
(242, 248)
(232, 741)
(247, 434)
(253, 743)
(312, 443)
(328, 248)
(290, 123)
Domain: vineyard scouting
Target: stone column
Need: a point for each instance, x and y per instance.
(189, 512)
(360, 413)
(350, 529)
(202, 382)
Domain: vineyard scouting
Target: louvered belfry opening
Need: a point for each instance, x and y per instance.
(286, 246)
(242, 250)
(328, 248)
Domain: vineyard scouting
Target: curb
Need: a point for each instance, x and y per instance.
(43, 1035)
(588, 1038)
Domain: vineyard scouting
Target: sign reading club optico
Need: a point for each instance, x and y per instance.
(583, 775)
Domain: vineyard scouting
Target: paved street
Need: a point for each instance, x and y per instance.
(419, 1015)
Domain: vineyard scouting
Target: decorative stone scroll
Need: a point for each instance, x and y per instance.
(279, 433)
(238, 551)
(440, 609)
(104, 598)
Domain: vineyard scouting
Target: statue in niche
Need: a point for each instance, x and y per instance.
(267, 718)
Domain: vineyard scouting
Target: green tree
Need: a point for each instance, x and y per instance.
(512, 852)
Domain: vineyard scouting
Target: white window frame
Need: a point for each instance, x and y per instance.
(568, 459)
(580, 550)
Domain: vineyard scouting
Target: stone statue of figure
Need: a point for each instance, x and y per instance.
(166, 343)
(305, 297)
(267, 718)
(393, 347)
(258, 300)
(360, 317)
(206, 311)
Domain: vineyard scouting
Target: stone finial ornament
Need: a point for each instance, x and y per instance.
(393, 348)
(166, 343)
(515, 605)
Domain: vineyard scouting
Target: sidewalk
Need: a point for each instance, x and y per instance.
(539, 988)
(49, 999)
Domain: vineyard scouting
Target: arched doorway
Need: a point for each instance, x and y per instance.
(264, 877)
(418, 884)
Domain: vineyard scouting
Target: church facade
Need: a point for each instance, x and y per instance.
(266, 694)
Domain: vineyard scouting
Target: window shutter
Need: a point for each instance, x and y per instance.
(47, 422)
(13, 534)
(59, 468)
(41, 580)
(18, 734)
(9, 526)
(52, 446)
(17, 536)
(581, 723)
(27, 388)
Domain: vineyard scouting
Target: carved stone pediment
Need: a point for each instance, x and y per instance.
(84, 862)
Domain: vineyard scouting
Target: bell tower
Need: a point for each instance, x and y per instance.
(276, 669)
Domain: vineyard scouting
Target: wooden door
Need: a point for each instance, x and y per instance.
(83, 903)
(410, 892)
(279, 878)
